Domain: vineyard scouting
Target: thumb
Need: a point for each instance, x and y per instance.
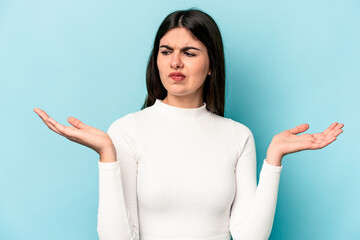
(76, 123)
(299, 129)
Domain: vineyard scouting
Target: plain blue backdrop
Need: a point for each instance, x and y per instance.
(287, 62)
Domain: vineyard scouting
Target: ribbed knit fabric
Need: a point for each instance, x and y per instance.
(184, 174)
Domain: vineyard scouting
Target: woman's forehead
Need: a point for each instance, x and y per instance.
(180, 37)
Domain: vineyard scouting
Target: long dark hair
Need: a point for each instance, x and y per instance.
(205, 29)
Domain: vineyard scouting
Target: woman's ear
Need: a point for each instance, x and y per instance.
(209, 73)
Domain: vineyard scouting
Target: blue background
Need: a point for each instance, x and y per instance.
(287, 62)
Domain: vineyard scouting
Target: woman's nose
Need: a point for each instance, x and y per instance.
(176, 61)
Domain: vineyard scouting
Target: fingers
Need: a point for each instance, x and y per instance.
(67, 131)
(335, 131)
(50, 124)
(333, 126)
(340, 125)
(41, 113)
(45, 118)
(76, 123)
(299, 129)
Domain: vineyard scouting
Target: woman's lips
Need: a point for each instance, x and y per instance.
(177, 77)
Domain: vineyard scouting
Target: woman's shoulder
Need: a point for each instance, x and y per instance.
(129, 121)
(238, 127)
(126, 122)
(130, 117)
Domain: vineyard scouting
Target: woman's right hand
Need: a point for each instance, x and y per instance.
(83, 134)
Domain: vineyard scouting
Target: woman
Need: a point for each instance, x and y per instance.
(178, 169)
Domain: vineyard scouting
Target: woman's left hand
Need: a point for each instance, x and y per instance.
(288, 142)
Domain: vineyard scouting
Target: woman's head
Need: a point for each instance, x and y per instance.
(204, 66)
(181, 53)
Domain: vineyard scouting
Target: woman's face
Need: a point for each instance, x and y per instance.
(180, 52)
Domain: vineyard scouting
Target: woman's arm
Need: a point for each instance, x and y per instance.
(253, 209)
(116, 220)
(117, 213)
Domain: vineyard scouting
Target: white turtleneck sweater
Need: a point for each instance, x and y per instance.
(184, 174)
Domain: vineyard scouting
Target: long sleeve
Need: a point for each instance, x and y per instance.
(253, 209)
(117, 212)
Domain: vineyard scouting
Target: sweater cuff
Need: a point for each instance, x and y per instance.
(272, 168)
(108, 165)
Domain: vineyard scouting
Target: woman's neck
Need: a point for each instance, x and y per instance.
(184, 102)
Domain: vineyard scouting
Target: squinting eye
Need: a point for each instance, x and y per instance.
(189, 54)
(164, 52)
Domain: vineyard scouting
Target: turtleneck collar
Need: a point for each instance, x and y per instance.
(179, 113)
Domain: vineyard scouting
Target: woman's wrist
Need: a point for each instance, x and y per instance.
(108, 155)
(274, 156)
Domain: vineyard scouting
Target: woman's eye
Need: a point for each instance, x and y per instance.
(189, 54)
(186, 53)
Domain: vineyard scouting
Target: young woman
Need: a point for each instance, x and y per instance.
(178, 169)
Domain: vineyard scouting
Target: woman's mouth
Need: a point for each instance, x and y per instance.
(177, 76)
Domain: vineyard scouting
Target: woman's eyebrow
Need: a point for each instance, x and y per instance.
(183, 49)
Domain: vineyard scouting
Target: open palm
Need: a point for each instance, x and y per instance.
(289, 142)
(79, 132)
